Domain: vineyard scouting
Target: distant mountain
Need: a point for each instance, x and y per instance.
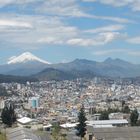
(27, 64)
(53, 74)
(110, 67)
(78, 64)
(118, 62)
(23, 65)
(121, 68)
(25, 58)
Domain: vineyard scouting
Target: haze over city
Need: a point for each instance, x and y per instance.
(63, 30)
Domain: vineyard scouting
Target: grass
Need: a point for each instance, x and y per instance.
(2, 136)
(40, 133)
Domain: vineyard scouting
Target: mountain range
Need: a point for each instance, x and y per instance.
(28, 64)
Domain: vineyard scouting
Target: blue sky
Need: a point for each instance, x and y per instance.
(63, 30)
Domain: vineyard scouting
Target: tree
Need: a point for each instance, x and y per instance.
(92, 110)
(81, 127)
(126, 109)
(8, 115)
(138, 123)
(56, 132)
(123, 103)
(134, 117)
(104, 115)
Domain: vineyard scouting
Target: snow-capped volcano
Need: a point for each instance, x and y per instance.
(25, 57)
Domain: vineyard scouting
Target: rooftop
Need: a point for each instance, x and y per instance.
(21, 134)
(24, 120)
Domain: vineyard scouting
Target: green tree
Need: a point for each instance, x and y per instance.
(123, 103)
(134, 117)
(92, 110)
(56, 132)
(81, 127)
(63, 137)
(126, 109)
(8, 115)
(113, 110)
(104, 115)
(138, 123)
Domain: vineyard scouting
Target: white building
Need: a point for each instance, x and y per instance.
(108, 123)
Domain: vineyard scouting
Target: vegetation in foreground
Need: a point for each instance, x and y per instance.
(8, 115)
(2, 136)
(81, 127)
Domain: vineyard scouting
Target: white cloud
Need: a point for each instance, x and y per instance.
(37, 30)
(99, 39)
(107, 52)
(134, 53)
(108, 28)
(51, 40)
(14, 23)
(32, 31)
(71, 8)
(82, 42)
(116, 3)
(48, 30)
(115, 19)
(128, 52)
(133, 4)
(65, 8)
(134, 40)
(62, 8)
(59, 35)
(17, 2)
(109, 36)
(78, 39)
(136, 6)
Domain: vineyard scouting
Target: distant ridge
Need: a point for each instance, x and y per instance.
(54, 74)
(16, 79)
(28, 64)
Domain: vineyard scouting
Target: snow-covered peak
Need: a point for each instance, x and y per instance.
(25, 57)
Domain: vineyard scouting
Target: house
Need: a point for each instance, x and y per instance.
(24, 121)
(115, 133)
(106, 123)
(21, 134)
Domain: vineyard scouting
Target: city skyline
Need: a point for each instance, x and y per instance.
(61, 31)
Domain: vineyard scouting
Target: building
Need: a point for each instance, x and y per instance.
(118, 116)
(34, 102)
(108, 123)
(96, 116)
(24, 121)
(116, 133)
(21, 134)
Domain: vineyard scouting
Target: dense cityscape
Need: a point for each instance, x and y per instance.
(69, 70)
(38, 105)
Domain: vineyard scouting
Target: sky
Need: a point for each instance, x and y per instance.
(63, 30)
